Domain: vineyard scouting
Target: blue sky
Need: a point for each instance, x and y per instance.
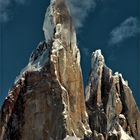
(110, 25)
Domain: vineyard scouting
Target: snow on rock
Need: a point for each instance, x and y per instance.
(97, 59)
(71, 138)
(59, 34)
(49, 26)
(109, 101)
(51, 104)
(122, 116)
(120, 75)
(38, 59)
(47, 100)
(124, 135)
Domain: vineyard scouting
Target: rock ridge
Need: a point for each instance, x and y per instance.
(110, 103)
(47, 100)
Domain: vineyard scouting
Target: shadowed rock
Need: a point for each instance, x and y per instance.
(110, 104)
(50, 102)
(47, 100)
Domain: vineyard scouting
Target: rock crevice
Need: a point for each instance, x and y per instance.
(110, 103)
(47, 100)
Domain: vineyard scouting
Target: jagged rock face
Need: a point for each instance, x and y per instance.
(47, 101)
(113, 113)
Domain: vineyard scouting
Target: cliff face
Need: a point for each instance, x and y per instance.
(112, 110)
(47, 100)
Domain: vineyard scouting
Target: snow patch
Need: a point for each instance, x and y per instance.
(41, 61)
(36, 65)
(57, 45)
(115, 132)
(120, 75)
(48, 26)
(97, 59)
(58, 30)
(65, 111)
(123, 81)
(121, 116)
(71, 138)
(124, 135)
(87, 131)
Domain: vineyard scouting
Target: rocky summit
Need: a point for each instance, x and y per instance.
(112, 110)
(47, 100)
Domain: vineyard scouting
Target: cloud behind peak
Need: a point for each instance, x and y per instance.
(5, 10)
(128, 28)
(80, 9)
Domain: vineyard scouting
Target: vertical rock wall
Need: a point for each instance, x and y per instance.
(112, 110)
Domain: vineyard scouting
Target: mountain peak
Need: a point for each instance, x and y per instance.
(110, 103)
(58, 19)
(97, 59)
(47, 100)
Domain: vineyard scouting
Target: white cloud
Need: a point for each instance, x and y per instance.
(80, 9)
(129, 28)
(5, 10)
